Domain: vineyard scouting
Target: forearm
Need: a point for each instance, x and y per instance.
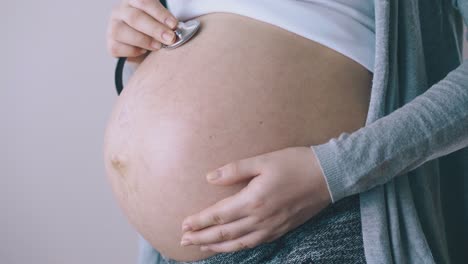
(432, 125)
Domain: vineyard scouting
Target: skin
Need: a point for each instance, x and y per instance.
(267, 208)
(250, 107)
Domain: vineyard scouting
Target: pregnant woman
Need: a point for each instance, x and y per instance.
(283, 98)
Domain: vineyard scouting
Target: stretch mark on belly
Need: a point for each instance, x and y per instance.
(123, 118)
(122, 157)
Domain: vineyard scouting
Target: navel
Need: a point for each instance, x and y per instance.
(120, 163)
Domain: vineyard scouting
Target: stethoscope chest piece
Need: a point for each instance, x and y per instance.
(184, 32)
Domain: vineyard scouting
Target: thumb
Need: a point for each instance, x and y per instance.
(235, 172)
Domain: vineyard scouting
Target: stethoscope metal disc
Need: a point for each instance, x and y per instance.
(184, 32)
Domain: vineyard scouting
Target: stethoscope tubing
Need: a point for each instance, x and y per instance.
(118, 74)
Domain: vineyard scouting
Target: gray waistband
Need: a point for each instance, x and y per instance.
(333, 236)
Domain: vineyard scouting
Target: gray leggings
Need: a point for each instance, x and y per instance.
(332, 236)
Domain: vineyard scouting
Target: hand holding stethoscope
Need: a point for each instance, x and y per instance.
(136, 27)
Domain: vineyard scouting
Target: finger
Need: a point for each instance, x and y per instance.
(224, 211)
(236, 171)
(117, 49)
(123, 33)
(156, 10)
(219, 233)
(250, 240)
(144, 23)
(138, 59)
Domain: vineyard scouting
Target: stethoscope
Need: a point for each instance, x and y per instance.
(184, 32)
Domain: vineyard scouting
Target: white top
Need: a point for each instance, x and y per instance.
(347, 26)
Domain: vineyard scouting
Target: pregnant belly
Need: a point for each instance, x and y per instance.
(240, 88)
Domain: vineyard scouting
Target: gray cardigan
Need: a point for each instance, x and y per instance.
(410, 161)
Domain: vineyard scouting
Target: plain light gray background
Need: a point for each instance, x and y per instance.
(56, 94)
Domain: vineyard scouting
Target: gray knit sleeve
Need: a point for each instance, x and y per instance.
(433, 124)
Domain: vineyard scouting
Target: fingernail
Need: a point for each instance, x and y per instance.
(185, 242)
(168, 36)
(215, 175)
(186, 228)
(171, 22)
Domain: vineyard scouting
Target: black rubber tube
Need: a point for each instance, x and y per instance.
(118, 74)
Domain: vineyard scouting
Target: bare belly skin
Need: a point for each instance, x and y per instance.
(219, 98)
